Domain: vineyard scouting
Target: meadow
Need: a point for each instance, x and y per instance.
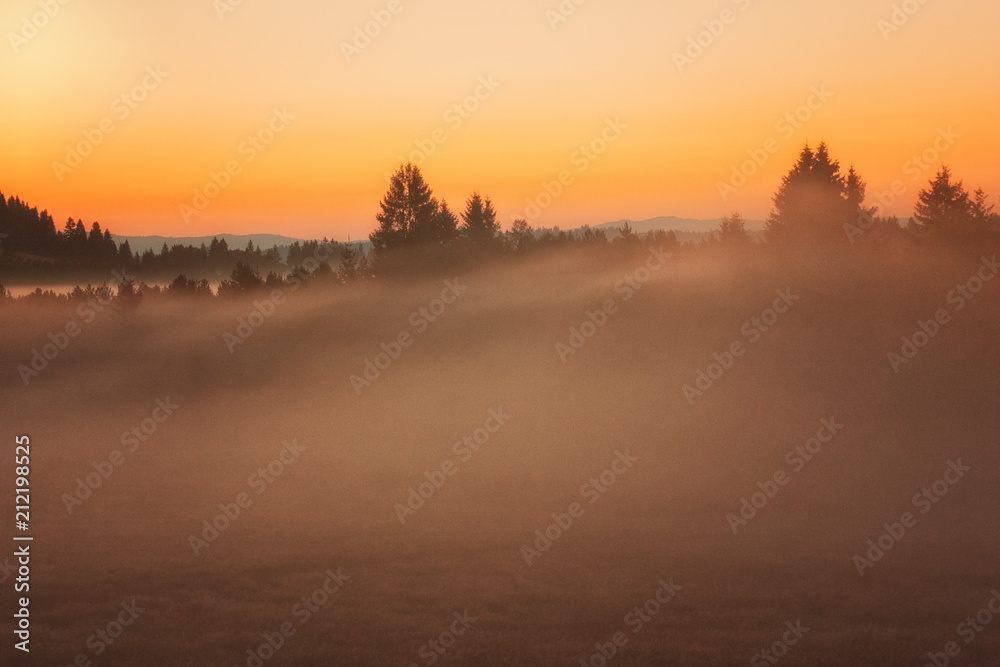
(409, 502)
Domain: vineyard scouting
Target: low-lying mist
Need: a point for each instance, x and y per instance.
(542, 446)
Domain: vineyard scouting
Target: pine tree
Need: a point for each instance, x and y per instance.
(479, 222)
(409, 213)
(945, 210)
(243, 279)
(349, 269)
(445, 223)
(626, 235)
(982, 210)
(125, 254)
(520, 237)
(733, 233)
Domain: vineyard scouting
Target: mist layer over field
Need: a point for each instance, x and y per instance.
(557, 411)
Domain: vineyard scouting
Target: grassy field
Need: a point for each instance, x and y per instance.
(664, 517)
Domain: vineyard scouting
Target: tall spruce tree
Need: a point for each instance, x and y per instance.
(815, 200)
(410, 215)
(479, 222)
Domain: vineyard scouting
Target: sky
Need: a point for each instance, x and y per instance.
(249, 116)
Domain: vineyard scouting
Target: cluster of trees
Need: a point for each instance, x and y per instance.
(32, 234)
(947, 211)
(213, 259)
(415, 225)
(815, 200)
(818, 205)
(410, 216)
(30, 246)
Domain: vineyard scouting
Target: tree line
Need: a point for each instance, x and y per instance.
(817, 205)
(30, 247)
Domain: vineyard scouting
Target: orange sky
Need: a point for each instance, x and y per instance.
(344, 119)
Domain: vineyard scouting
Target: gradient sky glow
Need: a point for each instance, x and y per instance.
(324, 174)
